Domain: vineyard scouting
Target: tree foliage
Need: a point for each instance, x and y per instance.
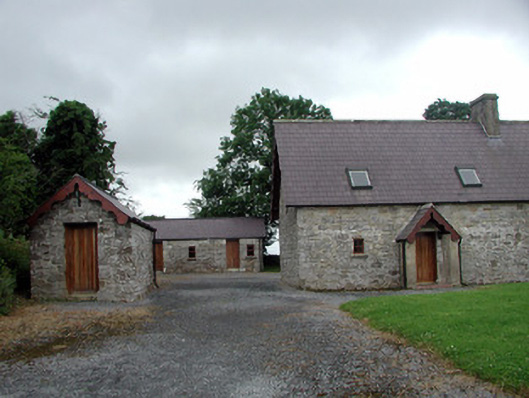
(240, 183)
(73, 142)
(17, 186)
(153, 217)
(446, 110)
(15, 132)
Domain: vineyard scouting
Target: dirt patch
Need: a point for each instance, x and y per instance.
(36, 329)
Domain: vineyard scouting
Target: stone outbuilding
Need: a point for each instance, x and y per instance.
(403, 204)
(202, 245)
(85, 244)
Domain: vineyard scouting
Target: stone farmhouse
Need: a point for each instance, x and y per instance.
(85, 244)
(209, 244)
(403, 204)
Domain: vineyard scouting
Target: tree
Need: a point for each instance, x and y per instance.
(446, 110)
(17, 133)
(240, 183)
(73, 142)
(17, 185)
(153, 217)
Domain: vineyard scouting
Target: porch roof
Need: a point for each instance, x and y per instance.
(423, 216)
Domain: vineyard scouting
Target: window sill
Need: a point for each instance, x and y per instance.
(360, 255)
(191, 259)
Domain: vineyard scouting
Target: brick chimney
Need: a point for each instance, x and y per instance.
(484, 110)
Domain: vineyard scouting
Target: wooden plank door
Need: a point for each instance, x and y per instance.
(81, 258)
(426, 252)
(232, 254)
(158, 256)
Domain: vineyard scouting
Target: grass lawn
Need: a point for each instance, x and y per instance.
(484, 331)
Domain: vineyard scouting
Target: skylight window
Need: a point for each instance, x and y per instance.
(359, 179)
(468, 177)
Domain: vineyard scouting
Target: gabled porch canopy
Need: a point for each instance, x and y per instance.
(426, 214)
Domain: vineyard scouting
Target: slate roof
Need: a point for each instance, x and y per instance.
(409, 162)
(109, 203)
(209, 228)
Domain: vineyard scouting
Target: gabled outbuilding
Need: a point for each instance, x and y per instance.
(86, 245)
(392, 204)
(203, 245)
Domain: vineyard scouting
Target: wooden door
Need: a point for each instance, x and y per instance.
(158, 256)
(81, 258)
(426, 252)
(232, 253)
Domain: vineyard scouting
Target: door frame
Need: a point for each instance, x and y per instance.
(426, 241)
(233, 247)
(71, 268)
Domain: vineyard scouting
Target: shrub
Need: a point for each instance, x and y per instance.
(15, 255)
(7, 289)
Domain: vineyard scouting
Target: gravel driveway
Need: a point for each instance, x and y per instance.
(238, 335)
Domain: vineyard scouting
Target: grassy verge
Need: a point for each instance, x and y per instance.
(484, 331)
(36, 329)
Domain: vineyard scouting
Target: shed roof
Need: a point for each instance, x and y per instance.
(209, 228)
(409, 162)
(108, 202)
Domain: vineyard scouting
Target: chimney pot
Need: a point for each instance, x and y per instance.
(484, 110)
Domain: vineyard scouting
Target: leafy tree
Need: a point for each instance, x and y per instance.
(73, 142)
(16, 133)
(446, 110)
(240, 183)
(153, 218)
(18, 185)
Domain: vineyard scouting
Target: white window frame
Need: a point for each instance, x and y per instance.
(365, 173)
(461, 173)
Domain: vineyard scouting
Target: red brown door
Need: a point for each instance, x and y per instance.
(232, 253)
(81, 258)
(158, 256)
(426, 257)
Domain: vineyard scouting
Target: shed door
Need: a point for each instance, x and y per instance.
(232, 253)
(81, 258)
(426, 257)
(158, 256)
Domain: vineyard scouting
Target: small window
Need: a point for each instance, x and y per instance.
(250, 250)
(358, 246)
(468, 177)
(192, 253)
(359, 179)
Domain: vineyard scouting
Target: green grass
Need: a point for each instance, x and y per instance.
(483, 331)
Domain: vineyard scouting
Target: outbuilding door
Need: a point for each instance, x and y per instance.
(81, 258)
(232, 254)
(426, 257)
(158, 256)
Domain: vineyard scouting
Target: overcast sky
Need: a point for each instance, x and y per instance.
(166, 75)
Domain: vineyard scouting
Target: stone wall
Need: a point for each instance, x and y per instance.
(124, 253)
(317, 250)
(288, 243)
(254, 263)
(325, 258)
(210, 256)
(495, 241)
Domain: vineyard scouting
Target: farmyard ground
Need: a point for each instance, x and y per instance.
(240, 335)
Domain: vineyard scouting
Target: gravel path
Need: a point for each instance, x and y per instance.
(240, 335)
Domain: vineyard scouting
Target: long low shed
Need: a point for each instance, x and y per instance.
(201, 245)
